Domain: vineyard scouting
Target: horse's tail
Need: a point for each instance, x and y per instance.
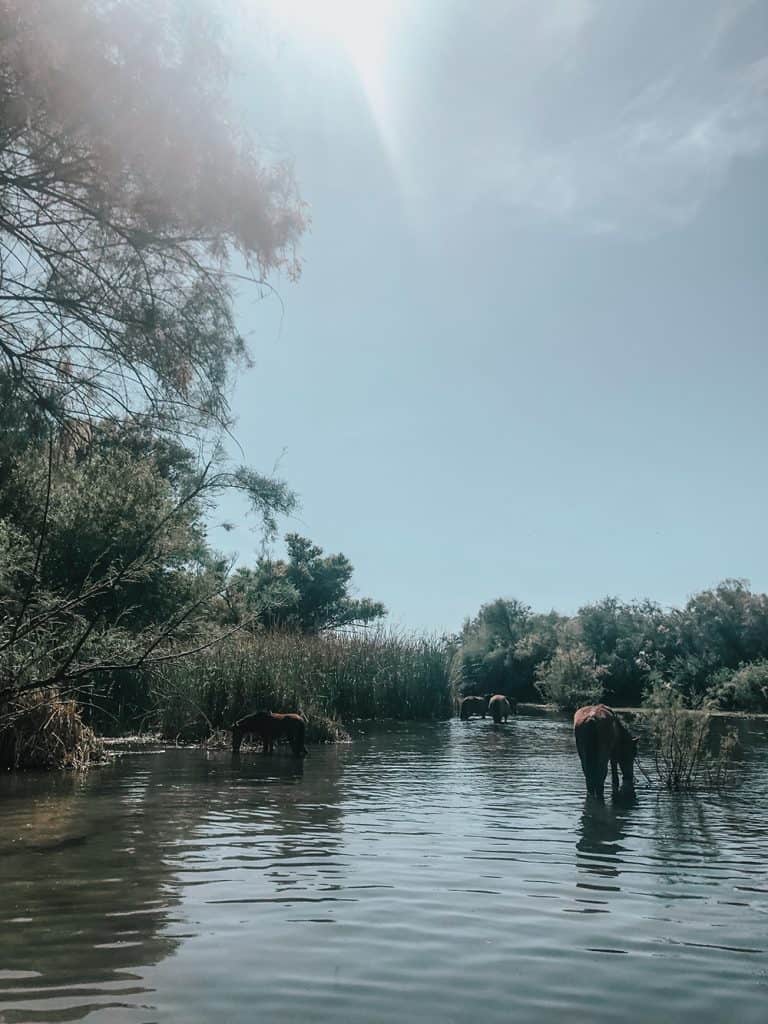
(299, 747)
(588, 746)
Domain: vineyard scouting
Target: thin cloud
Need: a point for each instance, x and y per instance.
(616, 117)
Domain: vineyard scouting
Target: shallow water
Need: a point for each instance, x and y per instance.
(451, 872)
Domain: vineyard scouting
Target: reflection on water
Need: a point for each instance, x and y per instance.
(450, 872)
(601, 828)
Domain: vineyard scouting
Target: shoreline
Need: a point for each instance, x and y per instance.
(137, 742)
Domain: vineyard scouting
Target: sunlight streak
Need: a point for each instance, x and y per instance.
(362, 33)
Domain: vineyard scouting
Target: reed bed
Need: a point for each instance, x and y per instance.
(333, 680)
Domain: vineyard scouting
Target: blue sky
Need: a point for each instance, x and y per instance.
(527, 353)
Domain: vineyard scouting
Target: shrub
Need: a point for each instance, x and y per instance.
(570, 679)
(688, 752)
(746, 689)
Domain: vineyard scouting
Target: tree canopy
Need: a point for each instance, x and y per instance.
(125, 190)
(131, 201)
(307, 592)
(713, 648)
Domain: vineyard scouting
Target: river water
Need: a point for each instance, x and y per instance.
(450, 872)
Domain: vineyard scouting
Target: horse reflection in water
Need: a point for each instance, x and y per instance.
(602, 829)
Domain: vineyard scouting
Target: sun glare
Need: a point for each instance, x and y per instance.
(359, 27)
(361, 33)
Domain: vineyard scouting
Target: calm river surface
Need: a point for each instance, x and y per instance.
(450, 872)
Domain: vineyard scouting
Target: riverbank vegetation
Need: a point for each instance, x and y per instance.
(134, 210)
(691, 749)
(42, 731)
(334, 678)
(711, 652)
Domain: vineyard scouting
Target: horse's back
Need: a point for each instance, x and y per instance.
(499, 707)
(593, 713)
(472, 706)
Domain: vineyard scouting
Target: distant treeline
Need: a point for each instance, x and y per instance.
(713, 650)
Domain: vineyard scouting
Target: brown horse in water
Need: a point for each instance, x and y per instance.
(469, 706)
(269, 726)
(601, 737)
(500, 707)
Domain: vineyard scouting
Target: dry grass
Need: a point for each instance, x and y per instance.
(41, 731)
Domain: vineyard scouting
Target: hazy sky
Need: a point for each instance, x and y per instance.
(527, 356)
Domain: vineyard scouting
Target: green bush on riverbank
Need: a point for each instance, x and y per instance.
(334, 679)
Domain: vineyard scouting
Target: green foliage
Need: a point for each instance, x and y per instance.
(745, 689)
(702, 649)
(103, 555)
(500, 648)
(570, 678)
(624, 640)
(127, 188)
(308, 593)
(688, 752)
(724, 627)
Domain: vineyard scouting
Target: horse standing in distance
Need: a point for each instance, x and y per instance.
(601, 737)
(269, 726)
(469, 706)
(500, 707)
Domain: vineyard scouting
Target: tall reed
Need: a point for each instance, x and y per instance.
(333, 679)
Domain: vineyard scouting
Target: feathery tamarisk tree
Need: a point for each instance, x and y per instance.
(130, 205)
(125, 192)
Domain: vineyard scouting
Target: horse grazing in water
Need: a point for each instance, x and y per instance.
(601, 737)
(500, 707)
(269, 726)
(469, 706)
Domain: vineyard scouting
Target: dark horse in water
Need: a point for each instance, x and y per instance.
(500, 707)
(601, 737)
(469, 706)
(269, 726)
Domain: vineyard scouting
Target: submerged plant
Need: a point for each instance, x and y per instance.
(688, 752)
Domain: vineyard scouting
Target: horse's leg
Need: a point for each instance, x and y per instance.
(614, 775)
(237, 739)
(293, 739)
(584, 766)
(599, 781)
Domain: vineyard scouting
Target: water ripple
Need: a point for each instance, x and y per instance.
(452, 872)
